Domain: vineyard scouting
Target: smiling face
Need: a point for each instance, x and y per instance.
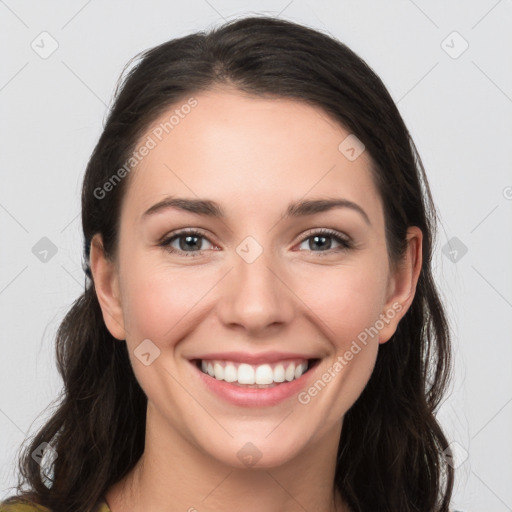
(258, 281)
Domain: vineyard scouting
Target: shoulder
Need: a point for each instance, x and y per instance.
(34, 507)
(22, 507)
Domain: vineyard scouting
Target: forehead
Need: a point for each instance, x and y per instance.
(247, 153)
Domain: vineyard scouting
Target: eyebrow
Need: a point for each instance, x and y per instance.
(209, 208)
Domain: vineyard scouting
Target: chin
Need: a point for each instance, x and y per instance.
(256, 452)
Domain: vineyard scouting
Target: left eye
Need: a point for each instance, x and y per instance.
(319, 237)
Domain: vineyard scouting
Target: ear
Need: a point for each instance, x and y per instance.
(106, 284)
(402, 284)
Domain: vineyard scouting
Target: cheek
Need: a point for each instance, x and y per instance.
(161, 301)
(347, 300)
(158, 303)
(350, 372)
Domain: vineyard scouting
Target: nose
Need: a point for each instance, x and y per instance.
(255, 296)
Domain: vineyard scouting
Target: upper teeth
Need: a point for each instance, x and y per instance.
(254, 374)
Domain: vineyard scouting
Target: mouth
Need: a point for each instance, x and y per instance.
(255, 376)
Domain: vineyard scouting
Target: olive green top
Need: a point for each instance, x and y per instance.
(101, 506)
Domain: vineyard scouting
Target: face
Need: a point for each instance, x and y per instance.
(298, 300)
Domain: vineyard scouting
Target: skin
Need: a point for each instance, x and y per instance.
(252, 156)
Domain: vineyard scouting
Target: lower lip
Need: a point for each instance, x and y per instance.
(254, 397)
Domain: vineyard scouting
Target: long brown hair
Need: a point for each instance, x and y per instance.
(390, 451)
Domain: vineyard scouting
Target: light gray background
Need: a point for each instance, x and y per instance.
(456, 105)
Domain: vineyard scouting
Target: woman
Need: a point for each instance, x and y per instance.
(261, 329)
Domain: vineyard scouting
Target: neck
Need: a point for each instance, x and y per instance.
(175, 474)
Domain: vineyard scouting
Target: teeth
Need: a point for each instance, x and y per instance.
(230, 373)
(264, 374)
(218, 371)
(245, 374)
(298, 371)
(290, 373)
(279, 374)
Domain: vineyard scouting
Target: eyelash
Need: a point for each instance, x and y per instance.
(345, 244)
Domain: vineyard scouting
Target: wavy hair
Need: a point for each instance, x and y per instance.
(390, 454)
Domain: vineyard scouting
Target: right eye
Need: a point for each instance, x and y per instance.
(187, 239)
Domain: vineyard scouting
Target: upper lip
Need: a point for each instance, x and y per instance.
(246, 357)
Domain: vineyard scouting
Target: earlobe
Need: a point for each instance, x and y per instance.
(106, 285)
(402, 285)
